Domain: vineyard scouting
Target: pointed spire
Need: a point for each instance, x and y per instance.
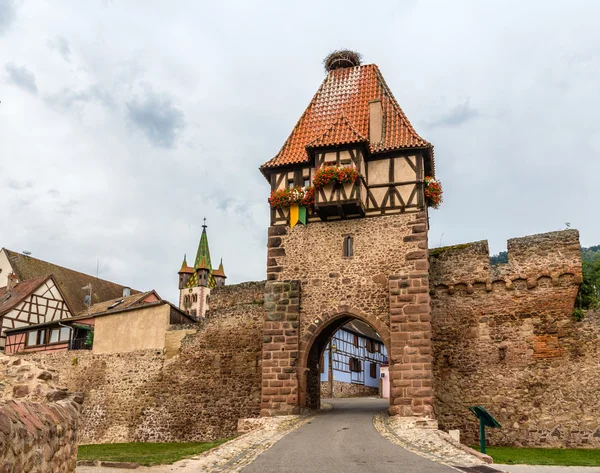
(202, 264)
(203, 250)
(184, 266)
(220, 272)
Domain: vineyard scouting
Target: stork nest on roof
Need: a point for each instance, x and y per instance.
(342, 58)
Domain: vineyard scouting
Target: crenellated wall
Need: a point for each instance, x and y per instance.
(504, 338)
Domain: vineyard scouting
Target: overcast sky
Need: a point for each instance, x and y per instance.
(121, 127)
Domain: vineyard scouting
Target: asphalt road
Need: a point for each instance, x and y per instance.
(342, 440)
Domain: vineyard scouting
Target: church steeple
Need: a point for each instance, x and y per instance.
(203, 251)
(196, 283)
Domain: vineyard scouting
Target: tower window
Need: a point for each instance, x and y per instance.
(348, 250)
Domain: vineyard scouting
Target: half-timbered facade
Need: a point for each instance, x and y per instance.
(35, 301)
(353, 121)
(353, 356)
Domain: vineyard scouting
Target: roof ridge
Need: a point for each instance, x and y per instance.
(20, 255)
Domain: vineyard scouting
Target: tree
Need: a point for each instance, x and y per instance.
(589, 291)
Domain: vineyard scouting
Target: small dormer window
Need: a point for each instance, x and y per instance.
(348, 250)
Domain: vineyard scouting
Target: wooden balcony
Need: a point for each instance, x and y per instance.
(340, 201)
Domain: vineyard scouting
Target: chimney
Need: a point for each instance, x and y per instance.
(11, 282)
(375, 121)
(126, 291)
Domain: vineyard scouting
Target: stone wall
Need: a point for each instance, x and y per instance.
(37, 434)
(385, 283)
(196, 389)
(341, 389)
(504, 338)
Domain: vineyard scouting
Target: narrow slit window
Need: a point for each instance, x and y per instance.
(348, 247)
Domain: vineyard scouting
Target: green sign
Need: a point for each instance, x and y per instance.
(485, 420)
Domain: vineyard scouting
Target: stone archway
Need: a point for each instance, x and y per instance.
(313, 343)
(292, 344)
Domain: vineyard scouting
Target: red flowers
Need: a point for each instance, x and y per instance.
(433, 192)
(328, 174)
(303, 196)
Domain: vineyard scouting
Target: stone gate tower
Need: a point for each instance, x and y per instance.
(348, 239)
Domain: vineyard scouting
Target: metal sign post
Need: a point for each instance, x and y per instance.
(485, 419)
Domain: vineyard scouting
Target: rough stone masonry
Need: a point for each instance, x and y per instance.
(38, 420)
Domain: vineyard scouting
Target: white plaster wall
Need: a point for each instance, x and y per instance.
(5, 268)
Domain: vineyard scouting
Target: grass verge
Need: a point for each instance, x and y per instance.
(144, 453)
(545, 456)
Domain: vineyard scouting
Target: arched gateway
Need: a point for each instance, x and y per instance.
(348, 239)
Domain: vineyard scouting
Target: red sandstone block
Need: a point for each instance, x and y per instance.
(421, 265)
(418, 290)
(417, 309)
(276, 383)
(399, 336)
(396, 410)
(402, 401)
(416, 255)
(285, 391)
(270, 391)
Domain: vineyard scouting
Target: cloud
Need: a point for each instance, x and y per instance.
(19, 185)
(67, 98)
(7, 15)
(157, 117)
(456, 116)
(21, 77)
(61, 45)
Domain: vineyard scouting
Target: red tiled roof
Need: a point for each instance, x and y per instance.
(339, 114)
(9, 299)
(69, 281)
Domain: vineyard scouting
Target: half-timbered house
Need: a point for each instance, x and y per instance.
(30, 302)
(351, 362)
(127, 323)
(33, 291)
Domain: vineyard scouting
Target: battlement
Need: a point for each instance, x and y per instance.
(551, 255)
(250, 292)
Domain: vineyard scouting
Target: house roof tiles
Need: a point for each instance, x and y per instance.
(10, 299)
(120, 303)
(339, 114)
(69, 281)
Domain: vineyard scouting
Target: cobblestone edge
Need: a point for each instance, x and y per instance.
(410, 440)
